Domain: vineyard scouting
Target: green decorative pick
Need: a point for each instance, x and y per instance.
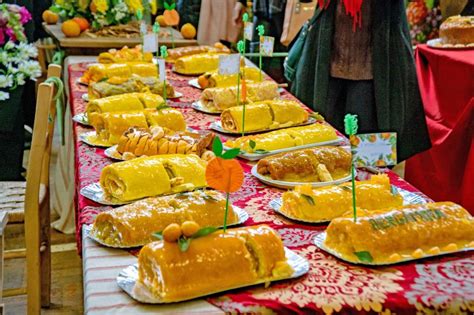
(261, 32)
(241, 50)
(164, 55)
(139, 14)
(245, 17)
(156, 28)
(350, 127)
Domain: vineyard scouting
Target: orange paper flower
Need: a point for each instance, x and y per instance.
(171, 17)
(224, 175)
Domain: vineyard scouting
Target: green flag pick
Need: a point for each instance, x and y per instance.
(156, 28)
(261, 32)
(164, 55)
(241, 50)
(139, 15)
(245, 17)
(350, 127)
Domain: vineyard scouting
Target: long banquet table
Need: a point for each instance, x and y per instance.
(443, 284)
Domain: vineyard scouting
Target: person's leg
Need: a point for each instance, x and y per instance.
(361, 101)
(336, 102)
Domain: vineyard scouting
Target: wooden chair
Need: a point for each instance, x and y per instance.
(29, 202)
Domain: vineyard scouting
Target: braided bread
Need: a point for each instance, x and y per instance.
(158, 140)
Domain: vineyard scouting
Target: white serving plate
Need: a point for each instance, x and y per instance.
(194, 83)
(203, 109)
(438, 44)
(217, 126)
(288, 185)
(127, 280)
(81, 118)
(320, 238)
(78, 81)
(85, 137)
(242, 214)
(258, 156)
(408, 198)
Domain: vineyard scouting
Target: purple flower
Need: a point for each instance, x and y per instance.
(10, 33)
(25, 16)
(2, 37)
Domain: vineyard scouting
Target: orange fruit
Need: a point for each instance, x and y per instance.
(188, 31)
(70, 28)
(83, 23)
(172, 232)
(171, 17)
(189, 228)
(160, 19)
(203, 81)
(50, 17)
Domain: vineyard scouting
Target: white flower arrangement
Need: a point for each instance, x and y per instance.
(16, 66)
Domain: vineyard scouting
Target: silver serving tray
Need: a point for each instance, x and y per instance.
(288, 185)
(203, 109)
(217, 126)
(127, 280)
(81, 119)
(257, 156)
(241, 213)
(409, 198)
(84, 137)
(438, 44)
(95, 193)
(320, 238)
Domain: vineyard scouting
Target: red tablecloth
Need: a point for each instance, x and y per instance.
(445, 283)
(446, 171)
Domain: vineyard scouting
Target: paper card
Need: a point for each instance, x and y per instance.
(374, 149)
(266, 45)
(162, 69)
(229, 64)
(143, 28)
(150, 42)
(248, 30)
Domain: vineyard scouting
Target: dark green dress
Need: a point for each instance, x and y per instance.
(398, 103)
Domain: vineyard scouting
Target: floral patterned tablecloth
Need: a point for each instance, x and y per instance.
(439, 284)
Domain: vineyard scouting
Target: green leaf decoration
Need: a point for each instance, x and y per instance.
(183, 243)
(205, 231)
(103, 79)
(317, 116)
(230, 154)
(217, 147)
(173, 6)
(261, 30)
(164, 52)
(139, 15)
(156, 28)
(309, 199)
(364, 256)
(350, 124)
(167, 6)
(245, 17)
(158, 235)
(162, 106)
(260, 151)
(252, 144)
(349, 189)
(208, 197)
(240, 46)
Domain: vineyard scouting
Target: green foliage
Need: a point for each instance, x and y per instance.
(364, 256)
(308, 199)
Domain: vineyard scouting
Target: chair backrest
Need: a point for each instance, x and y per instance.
(37, 174)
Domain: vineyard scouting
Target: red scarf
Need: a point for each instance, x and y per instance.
(352, 8)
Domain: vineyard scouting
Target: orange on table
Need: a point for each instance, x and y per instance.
(160, 19)
(70, 28)
(171, 17)
(50, 17)
(188, 31)
(83, 23)
(224, 175)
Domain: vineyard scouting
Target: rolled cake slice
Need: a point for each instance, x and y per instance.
(214, 79)
(284, 138)
(403, 232)
(119, 85)
(111, 126)
(457, 30)
(264, 115)
(327, 203)
(216, 262)
(223, 98)
(179, 52)
(153, 176)
(197, 64)
(98, 71)
(136, 142)
(125, 54)
(124, 102)
(318, 164)
(133, 225)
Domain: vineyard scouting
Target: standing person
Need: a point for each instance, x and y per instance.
(270, 14)
(363, 64)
